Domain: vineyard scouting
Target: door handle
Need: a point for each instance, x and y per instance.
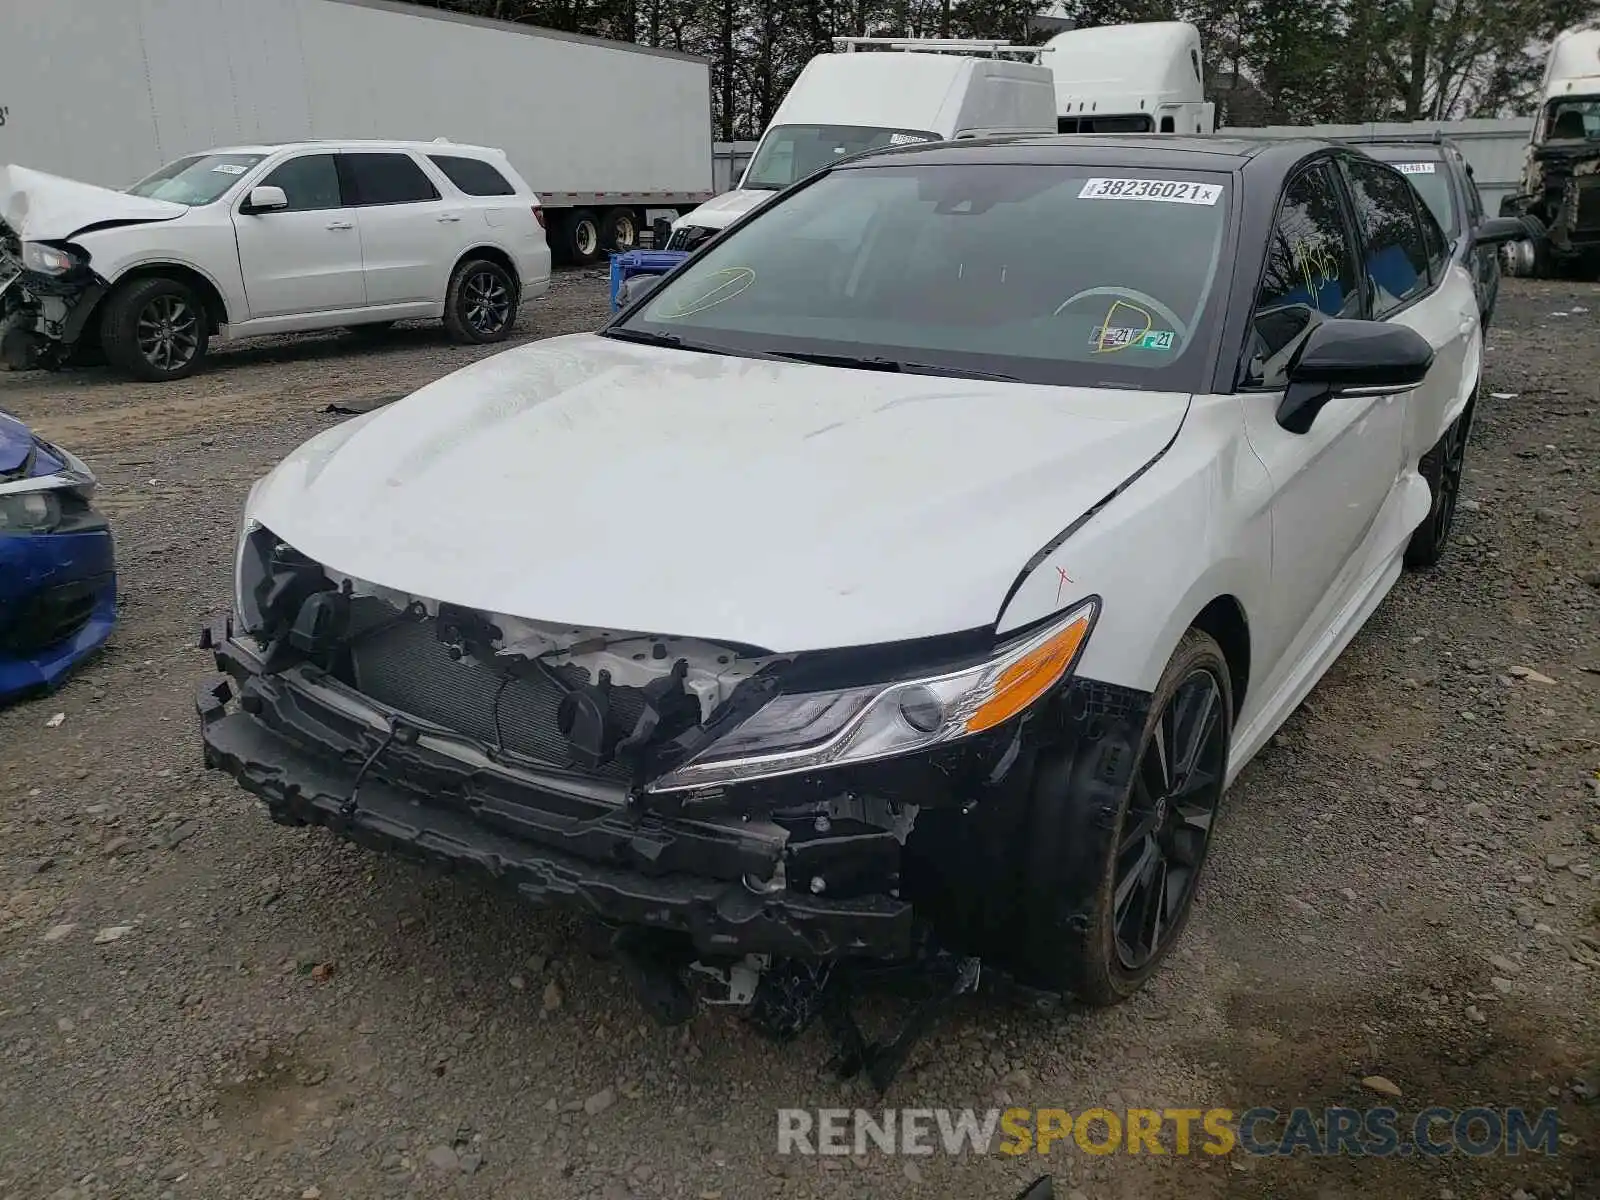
(341, 225)
(448, 217)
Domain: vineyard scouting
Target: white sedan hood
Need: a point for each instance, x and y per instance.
(721, 211)
(780, 505)
(41, 207)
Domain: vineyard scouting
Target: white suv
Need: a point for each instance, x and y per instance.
(255, 240)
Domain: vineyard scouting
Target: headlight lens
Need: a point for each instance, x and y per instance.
(49, 260)
(808, 731)
(29, 512)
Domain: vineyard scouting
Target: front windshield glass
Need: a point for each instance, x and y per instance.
(791, 152)
(1048, 274)
(199, 179)
(1573, 118)
(1434, 187)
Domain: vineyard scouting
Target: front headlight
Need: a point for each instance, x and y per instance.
(812, 730)
(49, 260)
(29, 512)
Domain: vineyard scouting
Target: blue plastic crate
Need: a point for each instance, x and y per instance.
(626, 265)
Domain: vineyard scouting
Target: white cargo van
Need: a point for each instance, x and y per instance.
(1140, 78)
(855, 99)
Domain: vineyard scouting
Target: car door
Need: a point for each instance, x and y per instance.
(1329, 484)
(1415, 281)
(409, 232)
(307, 257)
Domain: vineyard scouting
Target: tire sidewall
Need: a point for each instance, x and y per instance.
(456, 322)
(119, 328)
(1075, 826)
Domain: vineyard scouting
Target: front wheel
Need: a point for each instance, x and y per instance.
(155, 329)
(1442, 467)
(481, 305)
(1110, 874)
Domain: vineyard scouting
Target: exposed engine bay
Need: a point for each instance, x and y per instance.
(1561, 190)
(43, 315)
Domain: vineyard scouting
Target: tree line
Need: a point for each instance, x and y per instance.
(1289, 62)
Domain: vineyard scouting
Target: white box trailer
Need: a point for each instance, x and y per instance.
(107, 92)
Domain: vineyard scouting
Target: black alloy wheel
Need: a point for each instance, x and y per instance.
(481, 305)
(488, 302)
(1442, 466)
(1166, 828)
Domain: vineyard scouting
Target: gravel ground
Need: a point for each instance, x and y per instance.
(197, 1003)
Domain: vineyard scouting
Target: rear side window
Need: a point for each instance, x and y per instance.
(310, 182)
(1310, 271)
(1396, 249)
(473, 176)
(371, 178)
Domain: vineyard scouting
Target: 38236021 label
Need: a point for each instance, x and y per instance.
(1166, 191)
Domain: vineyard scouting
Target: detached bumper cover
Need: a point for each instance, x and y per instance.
(295, 741)
(58, 603)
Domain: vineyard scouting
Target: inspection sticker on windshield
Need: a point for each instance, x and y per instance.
(1422, 168)
(1168, 191)
(228, 169)
(1111, 337)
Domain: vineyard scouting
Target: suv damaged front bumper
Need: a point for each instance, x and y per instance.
(43, 317)
(317, 752)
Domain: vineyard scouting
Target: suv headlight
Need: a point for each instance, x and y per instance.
(29, 512)
(813, 730)
(45, 259)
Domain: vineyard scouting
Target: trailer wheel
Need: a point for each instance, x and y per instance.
(619, 231)
(481, 305)
(155, 329)
(580, 237)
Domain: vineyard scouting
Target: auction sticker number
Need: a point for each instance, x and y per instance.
(1419, 168)
(1167, 191)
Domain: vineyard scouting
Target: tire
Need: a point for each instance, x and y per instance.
(1441, 466)
(1086, 839)
(619, 230)
(371, 331)
(155, 329)
(580, 242)
(480, 306)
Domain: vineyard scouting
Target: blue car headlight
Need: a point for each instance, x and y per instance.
(29, 512)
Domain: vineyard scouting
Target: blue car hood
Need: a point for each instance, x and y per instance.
(23, 456)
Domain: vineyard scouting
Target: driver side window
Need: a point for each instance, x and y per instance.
(1310, 273)
(310, 183)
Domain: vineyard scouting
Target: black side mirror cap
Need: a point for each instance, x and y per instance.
(1497, 231)
(1351, 358)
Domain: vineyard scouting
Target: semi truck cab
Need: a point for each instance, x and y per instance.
(1146, 77)
(1560, 184)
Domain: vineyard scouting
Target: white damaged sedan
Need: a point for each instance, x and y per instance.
(910, 571)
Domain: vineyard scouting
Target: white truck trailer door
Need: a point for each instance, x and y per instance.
(307, 257)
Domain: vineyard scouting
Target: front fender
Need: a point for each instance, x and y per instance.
(1192, 528)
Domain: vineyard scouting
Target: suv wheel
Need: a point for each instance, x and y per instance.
(155, 329)
(481, 305)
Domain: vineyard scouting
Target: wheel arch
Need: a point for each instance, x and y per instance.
(216, 306)
(493, 254)
(1225, 621)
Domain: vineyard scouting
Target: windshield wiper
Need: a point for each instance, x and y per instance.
(646, 337)
(879, 363)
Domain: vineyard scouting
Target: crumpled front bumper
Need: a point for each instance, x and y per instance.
(318, 753)
(58, 603)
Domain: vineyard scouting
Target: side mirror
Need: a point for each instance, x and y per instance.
(1351, 358)
(265, 199)
(1497, 231)
(637, 287)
